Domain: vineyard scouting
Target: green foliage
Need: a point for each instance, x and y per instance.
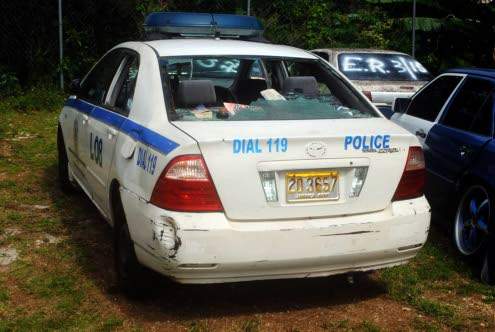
(449, 32)
(435, 309)
(9, 84)
(318, 24)
(368, 326)
(198, 327)
(111, 324)
(145, 7)
(34, 99)
(250, 325)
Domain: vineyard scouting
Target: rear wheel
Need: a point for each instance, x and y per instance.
(130, 273)
(472, 219)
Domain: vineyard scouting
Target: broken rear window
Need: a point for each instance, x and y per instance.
(214, 88)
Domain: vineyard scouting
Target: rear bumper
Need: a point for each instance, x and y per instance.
(209, 248)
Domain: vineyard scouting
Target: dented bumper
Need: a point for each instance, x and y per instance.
(209, 248)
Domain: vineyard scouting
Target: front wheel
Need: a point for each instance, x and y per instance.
(472, 220)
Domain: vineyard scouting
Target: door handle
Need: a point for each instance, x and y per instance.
(420, 133)
(85, 119)
(111, 133)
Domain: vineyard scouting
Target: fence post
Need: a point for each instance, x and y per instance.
(60, 44)
(414, 30)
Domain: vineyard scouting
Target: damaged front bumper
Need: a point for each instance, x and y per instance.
(209, 248)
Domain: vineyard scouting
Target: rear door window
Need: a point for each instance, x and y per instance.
(429, 102)
(472, 107)
(95, 86)
(126, 85)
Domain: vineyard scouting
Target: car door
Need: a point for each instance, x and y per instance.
(427, 105)
(464, 129)
(95, 142)
(108, 118)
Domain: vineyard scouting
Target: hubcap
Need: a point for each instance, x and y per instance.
(471, 222)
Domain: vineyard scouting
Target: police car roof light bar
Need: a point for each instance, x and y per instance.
(165, 25)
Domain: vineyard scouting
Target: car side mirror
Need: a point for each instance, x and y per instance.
(400, 105)
(75, 86)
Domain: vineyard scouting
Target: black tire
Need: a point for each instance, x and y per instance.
(63, 165)
(131, 275)
(488, 267)
(472, 220)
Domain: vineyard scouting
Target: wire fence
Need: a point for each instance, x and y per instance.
(29, 31)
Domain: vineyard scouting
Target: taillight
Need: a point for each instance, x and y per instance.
(185, 185)
(412, 183)
(368, 95)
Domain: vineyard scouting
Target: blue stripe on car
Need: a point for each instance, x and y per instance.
(110, 118)
(79, 105)
(129, 127)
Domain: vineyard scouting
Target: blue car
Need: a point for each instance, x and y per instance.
(453, 117)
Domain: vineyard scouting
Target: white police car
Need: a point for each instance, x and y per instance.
(220, 160)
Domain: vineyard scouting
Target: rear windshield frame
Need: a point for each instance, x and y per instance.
(168, 97)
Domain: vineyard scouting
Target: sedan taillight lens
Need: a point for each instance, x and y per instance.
(412, 183)
(186, 185)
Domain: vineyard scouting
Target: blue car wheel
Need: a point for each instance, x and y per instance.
(471, 220)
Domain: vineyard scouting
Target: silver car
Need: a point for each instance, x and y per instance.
(381, 75)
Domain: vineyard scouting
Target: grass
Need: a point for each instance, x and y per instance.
(61, 286)
(336, 325)
(368, 326)
(437, 271)
(250, 325)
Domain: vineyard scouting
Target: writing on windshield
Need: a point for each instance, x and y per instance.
(376, 66)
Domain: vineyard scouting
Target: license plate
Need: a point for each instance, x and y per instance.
(312, 186)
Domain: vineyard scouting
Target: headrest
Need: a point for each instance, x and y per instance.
(196, 92)
(305, 85)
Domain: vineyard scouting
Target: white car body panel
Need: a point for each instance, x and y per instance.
(287, 240)
(240, 180)
(192, 47)
(210, 248)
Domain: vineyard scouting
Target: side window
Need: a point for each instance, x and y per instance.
(472, 107)
(126, 85)
(484, 121)
(95, 86)
(256, 71)
(429, 102)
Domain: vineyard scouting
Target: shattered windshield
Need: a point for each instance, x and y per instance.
(212, 88)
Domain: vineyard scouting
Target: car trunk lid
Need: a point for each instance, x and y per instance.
(304, 159)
